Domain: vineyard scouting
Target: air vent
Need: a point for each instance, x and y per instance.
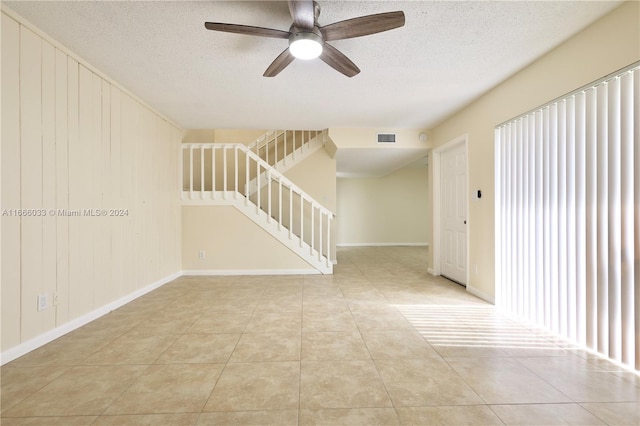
(386, 138)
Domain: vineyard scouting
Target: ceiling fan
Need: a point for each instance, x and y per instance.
(308, 40)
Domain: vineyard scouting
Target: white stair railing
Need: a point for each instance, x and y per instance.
(219, 173)
(287, 149)
(277, 145)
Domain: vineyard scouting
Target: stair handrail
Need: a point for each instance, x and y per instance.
(269, 142)
(264, 139)
(271, 170)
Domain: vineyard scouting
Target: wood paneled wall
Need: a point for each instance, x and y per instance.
(73, 140)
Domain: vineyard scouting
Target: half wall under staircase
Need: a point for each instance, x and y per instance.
(234, 175)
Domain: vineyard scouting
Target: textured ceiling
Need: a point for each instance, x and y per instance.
(447, 54)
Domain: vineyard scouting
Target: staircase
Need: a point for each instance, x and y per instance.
(283, 149)
(247, 178)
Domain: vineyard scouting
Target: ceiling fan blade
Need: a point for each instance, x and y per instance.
(338, 61)
(362, 26)
(303, 13)
(280, 63)
(247, 30)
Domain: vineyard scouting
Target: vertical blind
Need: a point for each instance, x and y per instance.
(568, 216)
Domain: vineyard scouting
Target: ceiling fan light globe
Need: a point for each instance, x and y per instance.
(305, 45)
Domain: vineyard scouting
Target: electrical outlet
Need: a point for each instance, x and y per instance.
(202, 254)
(42, 302)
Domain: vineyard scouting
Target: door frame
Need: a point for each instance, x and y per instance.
(461, 140)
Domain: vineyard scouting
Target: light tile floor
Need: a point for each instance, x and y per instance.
(378, 343)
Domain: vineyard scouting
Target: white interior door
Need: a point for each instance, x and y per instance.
(453, 204)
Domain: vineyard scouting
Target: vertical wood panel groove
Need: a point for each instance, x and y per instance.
(71, 141)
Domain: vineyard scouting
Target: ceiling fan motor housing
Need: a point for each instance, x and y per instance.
(305, 44)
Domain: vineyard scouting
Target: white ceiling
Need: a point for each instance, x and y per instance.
(376, 162)
(446, 55)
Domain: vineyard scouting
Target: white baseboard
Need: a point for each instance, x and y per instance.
(431, 271)
(226, 272)
(382, 245)
(481, 294)
(36, 342)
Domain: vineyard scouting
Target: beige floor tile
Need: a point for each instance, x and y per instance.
(331, 350)
(341, 384)
(251, 418)
(452, 337)
(397, 344)
(581, 380)
(65, 351)
(545, 414)
(283, 293)
(605, 364)
(448, 415)
(378, 319)
(370, 294)
(535, 349)
(173, 388)
(424, 382)
(141, 306)
(218, 322)
(332, 345)
(114, 323)
(200, 348)
(132, 349)
(262, 347)
(284, 281)
(356, 305)
(451, 348)
(173, 323)
(234, 304)
(84, 390)
(328, 305)
(505, 381)
(321, 288)
(256, 386)
(328, 321)
(318, 280)
(49, 421)
(187, 419)
(18, 382)
(615, 413)
(628, 376)
(274, 322)
(280, 303)
(325, 285)
(349, 417)
(266, 306)
(196, 305)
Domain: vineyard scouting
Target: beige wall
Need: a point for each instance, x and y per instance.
(611, 43)
(72, 139)
(316, 175)
(244, 136)
(232, 244)
(393, 209)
